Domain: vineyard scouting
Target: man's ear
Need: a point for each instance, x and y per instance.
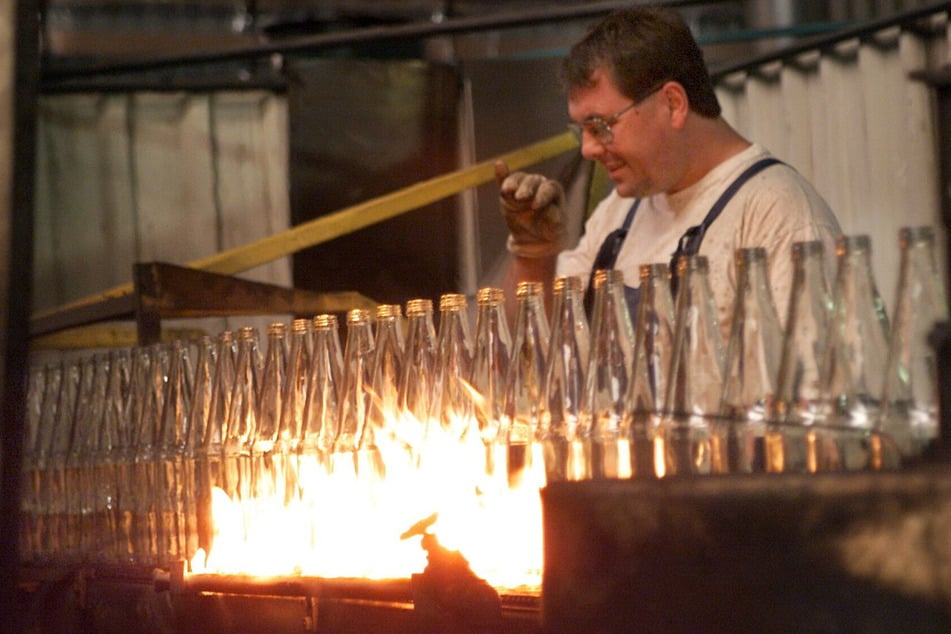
(674, 98)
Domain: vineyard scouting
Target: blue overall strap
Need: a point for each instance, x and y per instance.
(607, 254)
(629, 218)
(689, 243)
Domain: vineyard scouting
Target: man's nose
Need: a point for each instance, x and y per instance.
(591, 148)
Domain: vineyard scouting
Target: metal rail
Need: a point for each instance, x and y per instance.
(58, 71)
(865, 30)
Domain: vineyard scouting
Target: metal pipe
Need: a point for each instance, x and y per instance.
(314, 43)
(16, 227)
(112, 85)
(866, 29)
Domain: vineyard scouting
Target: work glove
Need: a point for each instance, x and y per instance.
(531, 205)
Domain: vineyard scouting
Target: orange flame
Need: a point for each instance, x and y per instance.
(352, 509)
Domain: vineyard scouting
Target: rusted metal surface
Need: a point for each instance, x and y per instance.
(106, 309)
(96, 598)
(166, 291)
(178, 291)
(843, 552)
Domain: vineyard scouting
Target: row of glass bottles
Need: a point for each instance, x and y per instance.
(125, 448)
(837, 389)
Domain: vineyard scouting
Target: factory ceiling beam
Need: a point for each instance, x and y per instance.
(65, 70)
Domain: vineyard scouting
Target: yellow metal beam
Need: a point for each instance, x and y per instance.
(376, 210)
(350, 219)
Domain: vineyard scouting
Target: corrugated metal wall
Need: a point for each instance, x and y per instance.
(140, 177)
(853, 120)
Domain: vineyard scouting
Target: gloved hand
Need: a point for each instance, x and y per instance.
(531, 205)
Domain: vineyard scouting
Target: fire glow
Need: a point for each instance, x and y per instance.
(351, 511)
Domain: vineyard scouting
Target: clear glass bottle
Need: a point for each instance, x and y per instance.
(293, 406)
(210, 466)
(355, 393)
(419, 371)
(389, 320)
(652, 357)
(108, 455)
(170, 455)
(130, 498)
(490, 363)
(37, 465)
(35, 390)
(81, 464)
(607, 379)
(524, 384)
(370, 462)
(266, 468)
(383, 417)
(321, 420)
(97, 524)
(202, 387)
(78, 467)
(753, 355)
(690, 436)
(452, 404)
(322, 408)
(493, 345)
(242, 425)
(29, 500)
(55, 489)
(145, 472)
(559, 411)
(854, 364)
(797, 439)
(294, 398)
(910, 390)
(242, 420)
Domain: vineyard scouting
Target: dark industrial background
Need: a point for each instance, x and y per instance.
(365, 117)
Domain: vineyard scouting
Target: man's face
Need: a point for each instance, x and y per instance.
(636, 150)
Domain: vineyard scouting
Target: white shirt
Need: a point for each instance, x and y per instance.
(773, 209)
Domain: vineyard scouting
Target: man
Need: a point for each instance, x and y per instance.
(643, 104)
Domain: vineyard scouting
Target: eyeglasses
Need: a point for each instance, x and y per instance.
(600, 128)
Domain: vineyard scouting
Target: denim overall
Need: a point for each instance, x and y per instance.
(689, 243)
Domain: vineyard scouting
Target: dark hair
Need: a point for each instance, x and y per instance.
(641, 47)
